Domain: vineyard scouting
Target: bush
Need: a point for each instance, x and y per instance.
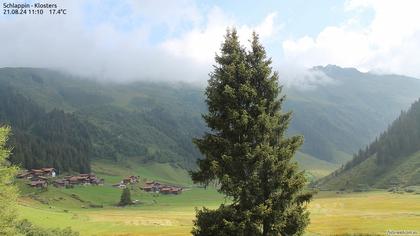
(92, 205)
(27, 228)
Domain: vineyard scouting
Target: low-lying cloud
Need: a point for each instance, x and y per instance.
(118, 47)
(139, 40)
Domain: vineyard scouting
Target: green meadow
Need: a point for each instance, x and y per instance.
(92, 210)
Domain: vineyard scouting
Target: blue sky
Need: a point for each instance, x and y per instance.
(177, 40)
(299, 18)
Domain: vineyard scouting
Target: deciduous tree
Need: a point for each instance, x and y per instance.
(8, 192)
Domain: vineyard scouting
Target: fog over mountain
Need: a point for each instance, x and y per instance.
(139, 40)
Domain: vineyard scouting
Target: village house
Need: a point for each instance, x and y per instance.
(170, 190)
(81, 179)
(49, 172)
(24, 175)
(36, 173)
(38, 184)
(60, 183)
(126, 181)
(153, 186)
(39, 178)
(131, 179)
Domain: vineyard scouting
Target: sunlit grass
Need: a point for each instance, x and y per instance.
(331, 214)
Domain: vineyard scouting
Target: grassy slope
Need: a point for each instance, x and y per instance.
(112, 172)
(331, 214)
(160, 214)
(315, 167)
(156, 216)
(405, 171)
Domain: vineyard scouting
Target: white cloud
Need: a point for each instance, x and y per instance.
(201, 44)
(296, 76)
(389, 43)
(114, 41)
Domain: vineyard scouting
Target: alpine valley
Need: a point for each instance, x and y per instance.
(361, 134)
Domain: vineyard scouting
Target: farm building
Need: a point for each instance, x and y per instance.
(153, 186)
(131, 179)
(36, 173)
(126, 181)
(38, 184)
(84, 179)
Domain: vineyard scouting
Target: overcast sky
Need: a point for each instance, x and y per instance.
(177, 40)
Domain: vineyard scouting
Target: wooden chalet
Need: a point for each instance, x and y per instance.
(84, 179)
(152, 186)
(61, 183)
(131, 179)
(171, 190)
(24, 175)
(37, 173)
(38, 184)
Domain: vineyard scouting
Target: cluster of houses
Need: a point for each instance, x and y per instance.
(37, 173)
(81, 179)
(126, 181)
(39, 178)
(156, 187)
(150, 186)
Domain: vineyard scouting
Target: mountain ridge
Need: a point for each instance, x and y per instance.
(155, 121)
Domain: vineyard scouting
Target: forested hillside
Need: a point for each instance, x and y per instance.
(156, 121)
(347, 112)
(141, 121)
(393, 159)
(43, 139)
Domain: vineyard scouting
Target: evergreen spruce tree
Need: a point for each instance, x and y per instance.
(246, 150)
(8, 192)
(125, 197)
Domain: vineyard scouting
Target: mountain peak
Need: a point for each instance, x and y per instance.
(330, 68)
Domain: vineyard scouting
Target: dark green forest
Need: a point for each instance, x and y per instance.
(43, 139)
(81, 120)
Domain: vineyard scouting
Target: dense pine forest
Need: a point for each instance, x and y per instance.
(42, 139)
(86, 120)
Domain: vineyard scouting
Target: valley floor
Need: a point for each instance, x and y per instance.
(331, 214)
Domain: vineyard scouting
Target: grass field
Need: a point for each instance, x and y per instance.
(158, 215)
(331, 213)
